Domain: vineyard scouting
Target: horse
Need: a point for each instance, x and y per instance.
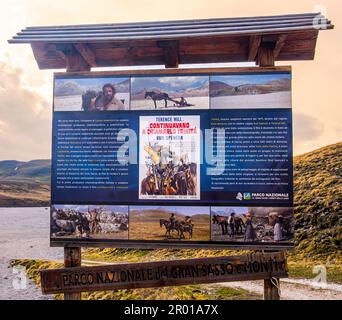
(238, 225)
(221, 221)
(148, 186)
(185, 227)
(83, 225)
(155, 96)
(88, 100)
(169, 226)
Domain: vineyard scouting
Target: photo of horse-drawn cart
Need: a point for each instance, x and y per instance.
(182, 92)
(87, 221)
(250, 224)
(169, 223)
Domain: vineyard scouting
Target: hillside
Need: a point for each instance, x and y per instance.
(201, 91)
(219, 88)
(25, 183)
(318, 206)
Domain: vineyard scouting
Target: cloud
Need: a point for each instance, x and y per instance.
(183, 82)
(306, 127)
(25, 128)
(307, 132)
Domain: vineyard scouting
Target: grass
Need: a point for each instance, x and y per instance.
(151, 230)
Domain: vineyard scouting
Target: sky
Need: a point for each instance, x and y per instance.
(26, 91)
(168, 83)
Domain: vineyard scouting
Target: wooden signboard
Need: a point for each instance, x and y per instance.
(165, 273)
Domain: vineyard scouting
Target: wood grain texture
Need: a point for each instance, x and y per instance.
(165, 273)
(72, 259)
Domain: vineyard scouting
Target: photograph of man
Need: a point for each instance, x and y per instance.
(250, 234)
(108, 101)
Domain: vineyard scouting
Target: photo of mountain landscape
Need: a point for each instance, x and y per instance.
(181, 92)
(250, 91)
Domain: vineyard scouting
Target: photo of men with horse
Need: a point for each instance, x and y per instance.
(168, 174)
(180, 226)
(251, 224)
(169, 223)
(89, 221)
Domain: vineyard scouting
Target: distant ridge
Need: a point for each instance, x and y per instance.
(220, 88)
(25, 183)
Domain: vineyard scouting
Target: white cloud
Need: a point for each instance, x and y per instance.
(25, 128)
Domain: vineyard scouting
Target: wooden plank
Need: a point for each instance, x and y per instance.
(75, 61)
(168, 245)
(299, 45)
(72, 259)
(86, 53)
(116, 29)
(170, 51)
(177, 22)
(177, 71)
(164, 273)
(279, 46)
(254, 44)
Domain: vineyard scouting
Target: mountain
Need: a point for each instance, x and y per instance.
(35, 170)
(201, 91)
(25, 183)
(122, 86)
(67, 88)
(72, 88)
(219, 88)
(318, 201)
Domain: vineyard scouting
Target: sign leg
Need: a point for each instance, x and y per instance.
(271, 289)
(72, 258)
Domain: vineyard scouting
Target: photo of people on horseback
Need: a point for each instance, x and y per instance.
(169, 158)
(252, 224)
(169, 223)
(177, 92)
(91, 94)
(90, 222)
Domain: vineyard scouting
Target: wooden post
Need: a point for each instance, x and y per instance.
(72, 255)
(271, 291)
(265, 58)
(72, 258)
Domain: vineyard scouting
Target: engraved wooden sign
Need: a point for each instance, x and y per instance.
(164, 273)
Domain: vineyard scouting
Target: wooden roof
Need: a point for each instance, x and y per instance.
(287, 37)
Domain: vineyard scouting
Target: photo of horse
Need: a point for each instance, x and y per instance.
(170, 92)
(169, 223)
(250, 91)
(252, 224)
(89, 221)
(90, 94)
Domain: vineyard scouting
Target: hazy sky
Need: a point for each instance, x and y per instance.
(26, 91)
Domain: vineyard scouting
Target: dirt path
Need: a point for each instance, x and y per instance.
(291, 291)
(24, 235)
